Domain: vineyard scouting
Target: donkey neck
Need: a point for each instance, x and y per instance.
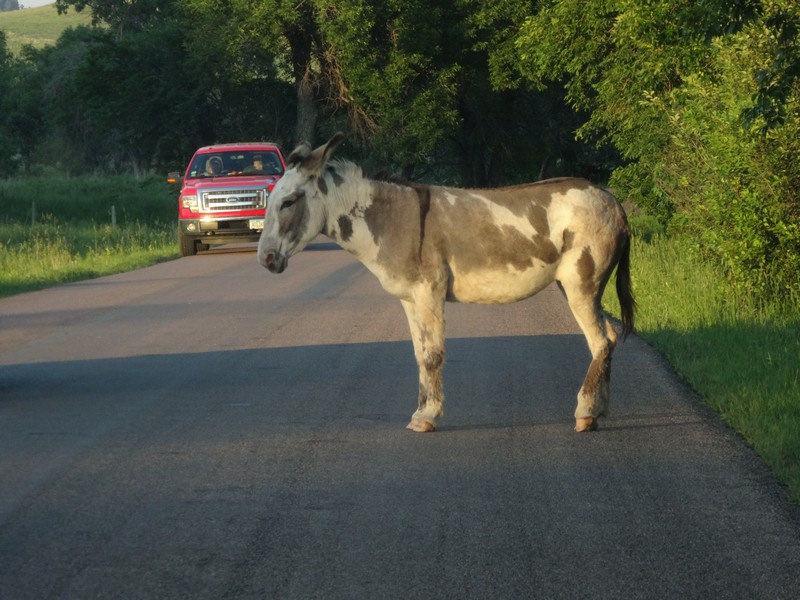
(345, 196)
(357, 202)
(348, 196)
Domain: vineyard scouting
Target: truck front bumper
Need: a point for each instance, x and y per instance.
(223, 230)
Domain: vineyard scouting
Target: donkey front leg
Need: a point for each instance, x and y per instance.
(426, 321)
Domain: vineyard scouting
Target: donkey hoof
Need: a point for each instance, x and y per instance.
(421, 425)
(586, 424)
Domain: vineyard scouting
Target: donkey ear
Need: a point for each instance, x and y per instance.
(317, 159)
(332, 144)
(298, 155)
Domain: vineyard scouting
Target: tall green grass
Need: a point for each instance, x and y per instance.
(50, 253)
(55, 229)
(740, 354)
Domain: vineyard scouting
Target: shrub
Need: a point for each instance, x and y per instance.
(735, 188)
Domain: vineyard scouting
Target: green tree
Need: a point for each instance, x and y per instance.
(667, 83)
(777, 77)
(23, 113)
(393, 66)
(384, 65)
(527, 130)
(70, 139)
(147, 89)
(127, 86)
(615, 58)
(735, 188)
(276, 40)
(413, 77)
(8, 144)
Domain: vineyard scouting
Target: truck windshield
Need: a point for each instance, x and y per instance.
(236, 163)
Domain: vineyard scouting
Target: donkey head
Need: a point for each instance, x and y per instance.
(295, 209)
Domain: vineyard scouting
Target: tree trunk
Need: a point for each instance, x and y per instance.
(301, 43)
(543, 168)
(306, 108)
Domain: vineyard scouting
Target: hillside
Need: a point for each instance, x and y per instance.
(38, 26)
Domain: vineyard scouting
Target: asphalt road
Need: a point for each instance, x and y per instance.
(205, 429)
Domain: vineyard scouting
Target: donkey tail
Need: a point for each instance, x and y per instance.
(624, 291)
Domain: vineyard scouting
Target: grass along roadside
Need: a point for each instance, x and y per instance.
(742, 357)
(50, 253)
(56, 228)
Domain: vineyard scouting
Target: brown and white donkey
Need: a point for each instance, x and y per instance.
(429, 244)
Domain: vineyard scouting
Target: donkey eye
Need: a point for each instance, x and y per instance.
(289, 201)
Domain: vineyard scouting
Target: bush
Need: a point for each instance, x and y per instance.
(734, 188)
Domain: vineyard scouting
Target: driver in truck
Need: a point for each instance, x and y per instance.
(213, 166)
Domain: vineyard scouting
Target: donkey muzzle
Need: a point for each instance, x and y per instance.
(273, 261)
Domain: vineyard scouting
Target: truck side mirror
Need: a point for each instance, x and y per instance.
(174, 177)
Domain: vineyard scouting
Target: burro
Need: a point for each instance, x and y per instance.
(430, 244)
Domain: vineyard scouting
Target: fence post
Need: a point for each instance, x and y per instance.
(113, 216)
(33, 213)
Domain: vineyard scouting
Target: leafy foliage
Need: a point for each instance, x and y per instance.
(688, 108)
(734, 188)
(7, 145)
(396, 63)
(701, 100)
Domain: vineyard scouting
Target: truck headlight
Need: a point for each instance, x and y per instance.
(190, 201)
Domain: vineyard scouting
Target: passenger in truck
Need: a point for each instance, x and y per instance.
(273, 165)
(257, 167)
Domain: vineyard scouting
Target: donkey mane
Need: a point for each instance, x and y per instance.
(348, 168)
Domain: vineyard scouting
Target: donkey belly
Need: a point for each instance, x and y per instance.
(498, 286)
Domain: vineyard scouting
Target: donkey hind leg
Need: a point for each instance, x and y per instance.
(602, 339)
(426, 321)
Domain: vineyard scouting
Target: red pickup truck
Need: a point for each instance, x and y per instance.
(224, 194)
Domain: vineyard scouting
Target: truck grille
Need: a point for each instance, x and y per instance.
(232, 199)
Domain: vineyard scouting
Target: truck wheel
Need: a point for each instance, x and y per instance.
(188, 244)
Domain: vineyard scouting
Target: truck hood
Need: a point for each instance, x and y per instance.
(267, 181)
